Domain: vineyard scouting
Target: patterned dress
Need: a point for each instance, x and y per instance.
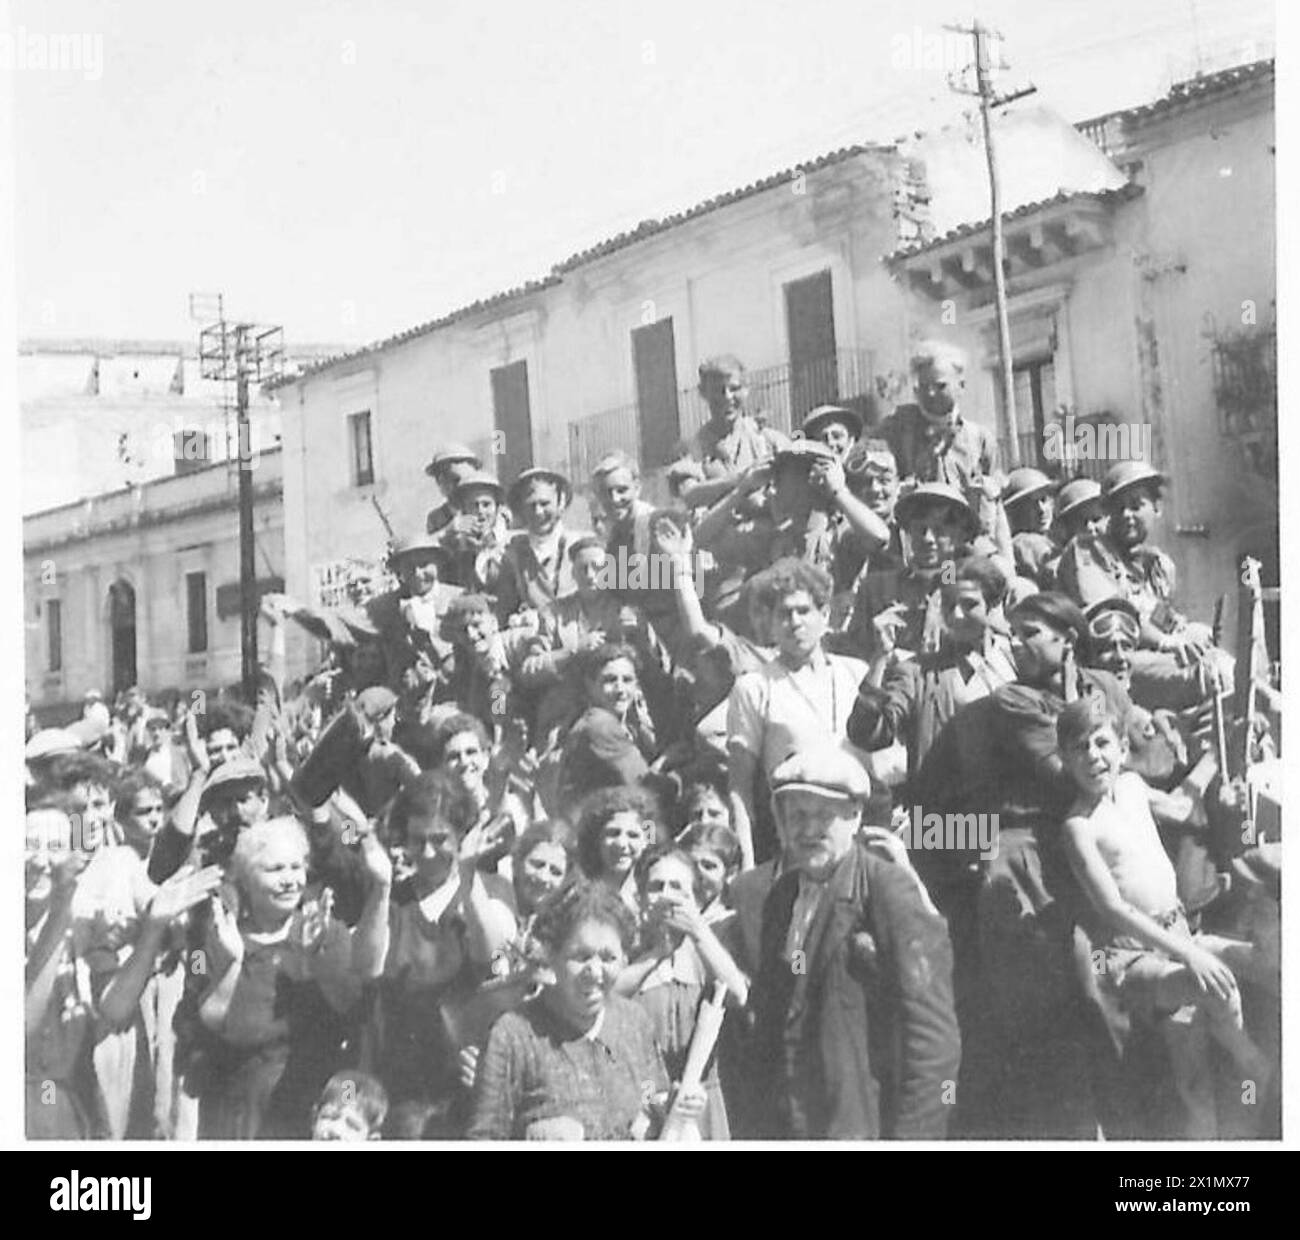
(535, 1068)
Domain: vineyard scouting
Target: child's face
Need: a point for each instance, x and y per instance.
(1037, 648)
(541, 507)
(1094, 761)
(713, 873)
(934, 532)
(1033, 515)
(589, 569)
(340, 1123)
(708, 809)
(1089, 521)
(466, 759)
(619, 491)
(251, 805)
(146, 814)
(481, 505)
(622, 841)
(275, 880)
(542, 872)
(586, 968)
(614, 686)
(837, 437)
(1132, 514)
(670, 883)
(965, 612)
(480, 627)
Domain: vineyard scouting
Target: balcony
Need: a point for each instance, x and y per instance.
(778, 395)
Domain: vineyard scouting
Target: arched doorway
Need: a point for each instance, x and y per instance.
(121, 625)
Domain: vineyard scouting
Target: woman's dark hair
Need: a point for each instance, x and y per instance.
(428, 794)
(599, 808)
(789, 576)
(584, 901)
(717, 838)
(226, 714)
(652, 856)
(588, 664)
(129, 787)
(1053, 609)
(985, 573)
(548, 832)
(453, 726)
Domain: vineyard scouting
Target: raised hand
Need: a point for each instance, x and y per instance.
(226, 928)
(315, 920)
(181, 892)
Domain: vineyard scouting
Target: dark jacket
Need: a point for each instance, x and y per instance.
(861, 1042)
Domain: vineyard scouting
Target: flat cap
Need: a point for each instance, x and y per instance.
(241, 769)
(829, 771)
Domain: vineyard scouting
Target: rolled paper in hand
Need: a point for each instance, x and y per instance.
(708, 1026)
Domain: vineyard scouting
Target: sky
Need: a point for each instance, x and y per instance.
(349, 170)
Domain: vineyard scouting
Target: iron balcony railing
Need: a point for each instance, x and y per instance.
(778, 395)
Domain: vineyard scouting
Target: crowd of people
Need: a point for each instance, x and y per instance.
(615, 834)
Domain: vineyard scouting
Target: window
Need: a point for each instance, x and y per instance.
(513, 417)
(193, 450)
(196, 611)
(1034, 391)
(54, 635)
(363, 459)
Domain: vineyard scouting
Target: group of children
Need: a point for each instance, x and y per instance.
(526, 787)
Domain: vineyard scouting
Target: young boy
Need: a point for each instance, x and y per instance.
(1151, 962)
(352, 1107)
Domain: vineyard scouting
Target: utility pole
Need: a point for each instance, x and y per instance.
(242, 352)
(988, 101)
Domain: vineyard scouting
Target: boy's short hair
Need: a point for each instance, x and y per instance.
(1083, 717)
(461, 608)
(717, 838)
(983, 570)
(719, 365)
(928, 353)
(789, 576)
(357, 1090)
(1051, 607)
(611, 461)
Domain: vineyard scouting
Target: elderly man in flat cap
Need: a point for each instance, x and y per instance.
(855, 1037)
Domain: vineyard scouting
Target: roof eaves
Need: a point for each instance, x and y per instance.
(1104, 197)
(643, 231)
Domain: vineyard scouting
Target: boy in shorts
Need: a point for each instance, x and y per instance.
(1151, 962)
